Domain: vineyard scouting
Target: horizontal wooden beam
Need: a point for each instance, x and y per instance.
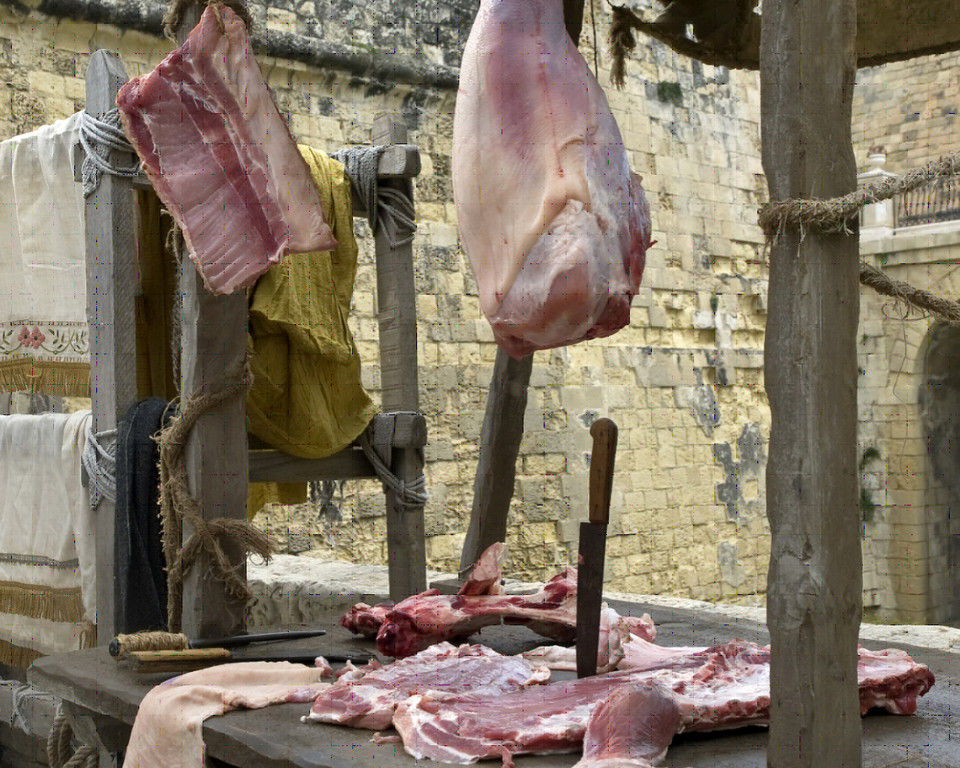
(275, 466)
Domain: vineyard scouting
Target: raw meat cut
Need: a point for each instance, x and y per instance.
(220, 156)
(422, 620)
(168, 729)
(367, 697)
(721, 687)
(555, 225)
(614, 634)
(631, 728)
(429, 617)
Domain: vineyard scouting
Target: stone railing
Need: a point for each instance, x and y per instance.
(933, 203)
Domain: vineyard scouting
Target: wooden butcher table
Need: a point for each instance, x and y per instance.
(100, 696)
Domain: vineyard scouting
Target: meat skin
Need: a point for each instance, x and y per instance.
(554, 224)
(167, 731)
(220, 156)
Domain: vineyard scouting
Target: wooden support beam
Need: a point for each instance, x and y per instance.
(111, 283)
(397, 310)
(502, 430)
(214, 349)
(810, 365)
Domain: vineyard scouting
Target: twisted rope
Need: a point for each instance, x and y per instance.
(831, 217)
(99, 137)
(178, 507)
(413, 494)
(60, 751)
(393, 206)
(101, 466)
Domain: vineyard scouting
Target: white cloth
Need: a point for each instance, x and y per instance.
(47, 528)
(43, 294)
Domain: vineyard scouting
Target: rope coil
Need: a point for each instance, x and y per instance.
(391, 206)
(99, 137)
(60, 751)
(413, 494)
(100, 464)
(179, 507)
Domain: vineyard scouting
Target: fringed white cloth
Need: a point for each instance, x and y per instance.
(48, 598)
(44, 339)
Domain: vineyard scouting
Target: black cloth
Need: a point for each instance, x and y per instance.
(141, 587)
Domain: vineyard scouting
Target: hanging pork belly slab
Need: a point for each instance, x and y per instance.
(221, 157)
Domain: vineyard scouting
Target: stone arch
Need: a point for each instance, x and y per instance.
(940, 412)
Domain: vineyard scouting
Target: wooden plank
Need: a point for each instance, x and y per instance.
(502, 430)
(111, 282)
(500, 439)
(275, 466)
(396, 299)
(214, 349)
(810, 367)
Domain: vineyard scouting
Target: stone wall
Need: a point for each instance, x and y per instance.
(683, 381)
(910, 508)
(910, 109)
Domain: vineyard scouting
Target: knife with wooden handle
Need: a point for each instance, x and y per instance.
(593, 546)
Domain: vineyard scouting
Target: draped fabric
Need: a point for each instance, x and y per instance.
(43, 297)
(47, 538)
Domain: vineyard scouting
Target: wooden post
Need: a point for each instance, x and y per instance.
(397, 315)
(111, 282)
(814, 586)
(502, 430)
(500, 439)
(213, 354)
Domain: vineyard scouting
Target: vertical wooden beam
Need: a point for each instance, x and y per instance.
(397, 315)
(502, 430)
(213, 355)
(500, 439)
(814, 587)
(111, 283)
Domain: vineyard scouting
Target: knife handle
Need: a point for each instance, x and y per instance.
(604, 433)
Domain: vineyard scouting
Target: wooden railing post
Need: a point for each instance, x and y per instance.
(397, 310)
(807, 69)
(214, 350)
(111, 283)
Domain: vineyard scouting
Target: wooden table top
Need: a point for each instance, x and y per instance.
(274, 737)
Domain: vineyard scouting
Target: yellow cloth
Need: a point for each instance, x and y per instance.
(307, 399)
(261, 494)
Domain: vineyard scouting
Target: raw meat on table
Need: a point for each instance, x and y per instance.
(555, 225)
(366, 697)
(220, 156)
(631, 728)
(430, 617)
(712, 688)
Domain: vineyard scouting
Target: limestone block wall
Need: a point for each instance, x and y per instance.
(911, 534)
(910, 109)
(911, 570)
(684, 381)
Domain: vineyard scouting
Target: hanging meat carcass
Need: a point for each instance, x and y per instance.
(220, 156)
(555, 225)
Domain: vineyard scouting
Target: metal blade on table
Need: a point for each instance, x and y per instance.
(593, 546)
(191, 659)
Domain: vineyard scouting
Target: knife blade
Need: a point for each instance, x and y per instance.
(191, 659)
(593, 546)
